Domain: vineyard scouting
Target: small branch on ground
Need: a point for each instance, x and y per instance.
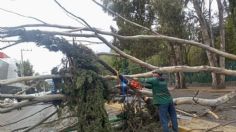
(220, 125)
(186, 113)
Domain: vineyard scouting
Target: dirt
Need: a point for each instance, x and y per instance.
(226, 112)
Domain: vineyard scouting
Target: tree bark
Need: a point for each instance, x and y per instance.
(201, 101)
(222, 40)
(45, 98)
(27, 78)
(179, 60)
(173, 61)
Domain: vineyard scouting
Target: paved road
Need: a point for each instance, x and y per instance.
(16, 115)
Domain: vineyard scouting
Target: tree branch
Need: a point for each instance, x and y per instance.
(72, 14)
(205, 102)
(109, 54)
(15, 43)
(27, 78)
(140, 37)
(17, 96)
(222, 124)
(23, 15)
(116, 14)
(27, 88)
(45, 98)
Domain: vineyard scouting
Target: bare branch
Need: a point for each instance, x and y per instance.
(186, 113)
(17, 96)
(23, 15)
(109, 54)
(27, 78)
(90, 42)
(5, 34)
(220, 125)
(116, 14)
(200, 101)
(45, 98)
(205, 102)
(27, 88)
(106, 42)
(138, 37)
(8, 41)
(43, 25)
(171, 69)
(179, 41)
(134, 59)
(17, 42)
(73, 14)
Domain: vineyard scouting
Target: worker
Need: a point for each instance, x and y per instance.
(56, 86)
(162, 99)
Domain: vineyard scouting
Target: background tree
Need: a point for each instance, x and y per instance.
(138, 11)
(222, 40)
(172, 24)
(28, 69)
(230, 28)
(207, 37)
(143, 13)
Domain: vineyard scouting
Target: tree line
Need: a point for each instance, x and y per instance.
(206, 21)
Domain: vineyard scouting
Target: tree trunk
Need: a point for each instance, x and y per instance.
(207, 40)
(173, 59)
(222, 40)
(179, 61)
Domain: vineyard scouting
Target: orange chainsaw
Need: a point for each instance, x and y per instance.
(133, 84)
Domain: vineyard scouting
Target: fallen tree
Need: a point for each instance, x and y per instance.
(83, 86)
(29, 100)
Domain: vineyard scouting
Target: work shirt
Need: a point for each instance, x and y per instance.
(161, 94)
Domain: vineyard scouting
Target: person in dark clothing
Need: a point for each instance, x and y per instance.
(163, 100)
(56, 86)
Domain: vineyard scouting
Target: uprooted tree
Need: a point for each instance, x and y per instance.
(84, 90)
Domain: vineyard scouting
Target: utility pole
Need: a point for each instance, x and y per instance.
(22, 60)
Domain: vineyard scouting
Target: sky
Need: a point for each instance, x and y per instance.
(47, 10)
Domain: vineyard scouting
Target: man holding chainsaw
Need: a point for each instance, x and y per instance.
(162, 99)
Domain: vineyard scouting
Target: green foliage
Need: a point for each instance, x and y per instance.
(28, 69)
(86, 91)
(193, 57)
(87, 99)
(139, 11)
(170, 17)
(230, 36)
(232, 6)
